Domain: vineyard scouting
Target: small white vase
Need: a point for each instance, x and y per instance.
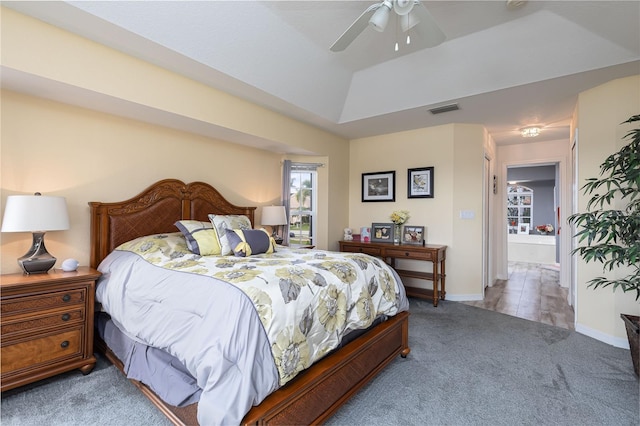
(396, 234)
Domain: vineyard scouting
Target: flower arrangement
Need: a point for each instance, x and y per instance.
(399, 217)
(548, 228)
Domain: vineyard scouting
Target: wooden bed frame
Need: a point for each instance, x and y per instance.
(314, 395)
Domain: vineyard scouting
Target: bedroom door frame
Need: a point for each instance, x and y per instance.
(564, 184)
(489, 183)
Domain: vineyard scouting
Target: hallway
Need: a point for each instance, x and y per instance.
(531, 292)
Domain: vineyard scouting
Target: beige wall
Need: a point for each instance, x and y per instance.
(456, 153)
(599, 114)
(86, 155)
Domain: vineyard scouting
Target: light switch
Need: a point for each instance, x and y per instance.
(467, 214)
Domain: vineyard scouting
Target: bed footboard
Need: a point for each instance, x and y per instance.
(318, 393)
(315, 395)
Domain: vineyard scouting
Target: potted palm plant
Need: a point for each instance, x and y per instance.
(612, 236)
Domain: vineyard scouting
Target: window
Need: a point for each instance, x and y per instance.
(302, 204)
(519, 207)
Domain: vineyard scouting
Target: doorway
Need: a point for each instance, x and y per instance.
(519, 286)
(532, 203)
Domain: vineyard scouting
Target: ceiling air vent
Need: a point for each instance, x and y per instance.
(444, 108)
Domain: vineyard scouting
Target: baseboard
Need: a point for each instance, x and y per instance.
(463, 297)
(606, 338)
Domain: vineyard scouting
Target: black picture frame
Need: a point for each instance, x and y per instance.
(420, 182)
(382, 232)
(379, 186)
(413, 235)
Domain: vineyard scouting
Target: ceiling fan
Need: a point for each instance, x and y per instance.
(413, 16)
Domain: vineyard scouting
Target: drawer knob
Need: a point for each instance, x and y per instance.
(66, 317)
(66, 297)
(406, 253)
(64, 344)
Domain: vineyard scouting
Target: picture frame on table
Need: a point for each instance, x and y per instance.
(420, 182)
(382, 232)
(413, 235)
(523, 228)
(365, 234)
(379, 186)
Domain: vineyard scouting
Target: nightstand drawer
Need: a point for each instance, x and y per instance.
(43, 301)
(18, 324)
(373, 251)
(31, 353)
(404, 253)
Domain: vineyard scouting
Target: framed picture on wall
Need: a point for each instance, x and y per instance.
(379, 186)
(420, 182)
(413, 235)
(382, 232)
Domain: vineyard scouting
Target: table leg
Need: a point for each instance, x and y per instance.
(443, 292)
(436, 296)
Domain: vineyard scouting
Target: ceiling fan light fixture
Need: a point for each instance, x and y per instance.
(530, 132)
(403, 7)
(380, 17)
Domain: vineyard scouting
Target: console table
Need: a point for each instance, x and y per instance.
(389, 252)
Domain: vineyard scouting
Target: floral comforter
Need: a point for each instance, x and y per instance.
(305, 301)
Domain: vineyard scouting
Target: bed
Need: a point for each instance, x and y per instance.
(308, 397)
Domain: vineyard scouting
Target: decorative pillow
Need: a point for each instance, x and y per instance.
(250, 241)
(200, 236)
(223, 222)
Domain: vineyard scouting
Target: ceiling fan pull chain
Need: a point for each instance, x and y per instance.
(397, 27)
(408, 29)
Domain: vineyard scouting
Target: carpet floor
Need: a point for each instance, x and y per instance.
(467, 366)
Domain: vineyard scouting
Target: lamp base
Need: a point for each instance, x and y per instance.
(37, 260)
(277, 238)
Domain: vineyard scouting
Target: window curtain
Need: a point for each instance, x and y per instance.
(286, 196)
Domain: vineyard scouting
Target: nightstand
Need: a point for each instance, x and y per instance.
(46, 325)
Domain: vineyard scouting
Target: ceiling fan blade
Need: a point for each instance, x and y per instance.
(355, 29)
(427, 28)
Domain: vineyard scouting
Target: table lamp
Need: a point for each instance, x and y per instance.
(37, 214)
(274, 216)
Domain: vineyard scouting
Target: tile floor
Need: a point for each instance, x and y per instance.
(532, 292)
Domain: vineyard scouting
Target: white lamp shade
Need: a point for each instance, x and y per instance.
(274, 215)
(35, 213)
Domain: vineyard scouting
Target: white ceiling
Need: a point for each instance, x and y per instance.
(506, 68)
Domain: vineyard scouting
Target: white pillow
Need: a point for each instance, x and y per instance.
(223, 222)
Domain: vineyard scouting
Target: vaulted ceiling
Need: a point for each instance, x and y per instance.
(507, 65)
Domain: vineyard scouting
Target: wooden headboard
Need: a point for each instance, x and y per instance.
(154, 211)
